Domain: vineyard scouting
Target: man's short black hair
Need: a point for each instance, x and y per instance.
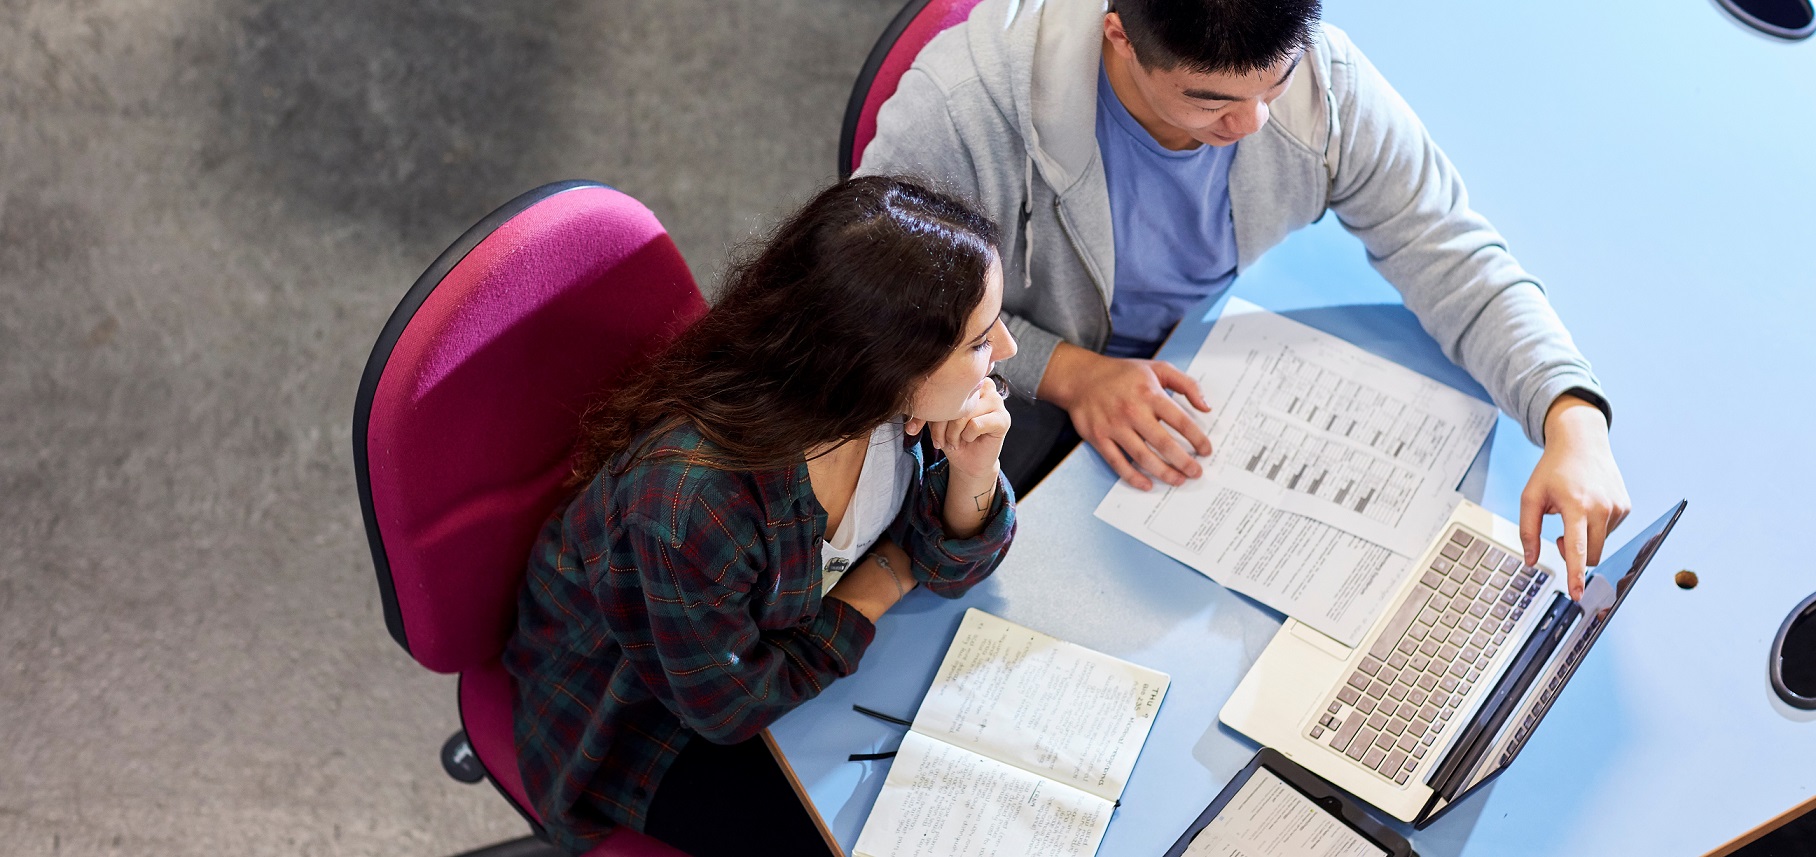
(1217, 36)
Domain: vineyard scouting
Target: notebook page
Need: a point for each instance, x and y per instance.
(1042, 704)
(945, 801)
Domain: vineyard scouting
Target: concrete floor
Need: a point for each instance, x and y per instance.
(207, 210)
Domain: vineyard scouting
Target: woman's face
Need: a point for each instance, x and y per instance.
(954, 388)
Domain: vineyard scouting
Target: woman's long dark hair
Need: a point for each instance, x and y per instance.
(819, 334)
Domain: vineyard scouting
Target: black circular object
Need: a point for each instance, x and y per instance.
(1794, 657)
(458, 759)
(1791, 20)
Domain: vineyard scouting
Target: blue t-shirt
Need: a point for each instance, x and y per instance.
(1170, 212)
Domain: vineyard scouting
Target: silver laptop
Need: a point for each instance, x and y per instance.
(1451, 679)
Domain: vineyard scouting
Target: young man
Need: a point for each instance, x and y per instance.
(1137, 159)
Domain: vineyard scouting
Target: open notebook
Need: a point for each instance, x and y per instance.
(1023, 745)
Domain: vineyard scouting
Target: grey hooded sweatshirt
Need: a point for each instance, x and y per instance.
(1002, 108)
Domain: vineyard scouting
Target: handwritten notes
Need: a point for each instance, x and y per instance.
(1022, 746)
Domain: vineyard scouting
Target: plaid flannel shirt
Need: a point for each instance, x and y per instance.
(680, 600)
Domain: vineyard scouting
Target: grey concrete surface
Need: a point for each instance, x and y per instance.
(207, 209)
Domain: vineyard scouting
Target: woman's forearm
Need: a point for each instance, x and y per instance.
(879, 580)
(968, 501)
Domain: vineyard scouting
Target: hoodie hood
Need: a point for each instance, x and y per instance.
(1027, 57)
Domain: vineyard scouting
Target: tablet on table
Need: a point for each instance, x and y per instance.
(1274, 808)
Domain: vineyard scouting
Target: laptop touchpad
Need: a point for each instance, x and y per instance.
(1319, 640)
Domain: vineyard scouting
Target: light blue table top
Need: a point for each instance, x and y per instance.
(1651, 163)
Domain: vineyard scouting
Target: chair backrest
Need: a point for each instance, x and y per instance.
(469, 407)
(895, 50)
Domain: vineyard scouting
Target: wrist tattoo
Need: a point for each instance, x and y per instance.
(983, 499)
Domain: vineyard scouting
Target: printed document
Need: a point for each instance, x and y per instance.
(1270, 818)
(1023, 745)
(1331, 468)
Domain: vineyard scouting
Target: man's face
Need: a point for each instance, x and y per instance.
(1184, 108)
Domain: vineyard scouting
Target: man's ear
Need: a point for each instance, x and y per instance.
(1116, 35)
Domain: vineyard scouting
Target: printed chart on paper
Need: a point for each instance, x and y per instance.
(1330, 468)
(1312, 430)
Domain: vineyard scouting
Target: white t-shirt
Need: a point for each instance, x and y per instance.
(882, 489)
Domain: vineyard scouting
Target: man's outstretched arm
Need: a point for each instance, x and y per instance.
(1396, 190)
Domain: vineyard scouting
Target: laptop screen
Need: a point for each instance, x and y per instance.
(1603, 593)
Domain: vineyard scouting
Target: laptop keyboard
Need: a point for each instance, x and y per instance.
(1389, 712)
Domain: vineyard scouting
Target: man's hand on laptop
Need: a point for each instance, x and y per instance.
(1576, 479)
(1120, 406)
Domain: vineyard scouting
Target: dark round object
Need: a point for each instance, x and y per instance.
(1791, 20)
(1794, 657)
(459, 760)
(1686, 579)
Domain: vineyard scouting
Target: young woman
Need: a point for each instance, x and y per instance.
(823, 441)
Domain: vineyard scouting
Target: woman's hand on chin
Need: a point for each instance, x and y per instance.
(973, 441)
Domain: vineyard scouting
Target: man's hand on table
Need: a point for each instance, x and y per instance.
(1577, 479)
(1120, 406)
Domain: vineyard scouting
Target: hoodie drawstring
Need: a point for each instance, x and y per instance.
(1027, 220)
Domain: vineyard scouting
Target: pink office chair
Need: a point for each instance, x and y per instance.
(467, 412)
(895, 50)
